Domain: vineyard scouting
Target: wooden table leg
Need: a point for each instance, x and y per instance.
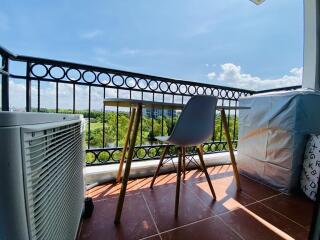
(128, 164)
(203, 166)
(164, 153)
(126, 142)
(233, 159)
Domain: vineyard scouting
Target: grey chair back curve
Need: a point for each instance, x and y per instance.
(196, 122)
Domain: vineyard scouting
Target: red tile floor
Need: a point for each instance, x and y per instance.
(257, 212)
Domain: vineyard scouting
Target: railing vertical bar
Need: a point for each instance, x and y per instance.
(57, 97)
(89, 118)
(214, 124)
(220, 131)
(162, 117)
(229, 104)
(39, 96)
(152, 120)
(141, 122)
(172, 115)
(117, 122)
(235, 122)
(74, 98)
(130, 96)
(104, 120)
(28, 87)
(5, 84)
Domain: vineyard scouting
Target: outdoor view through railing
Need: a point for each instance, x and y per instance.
(45, 80)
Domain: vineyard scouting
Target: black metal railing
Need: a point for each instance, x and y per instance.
(88, 85)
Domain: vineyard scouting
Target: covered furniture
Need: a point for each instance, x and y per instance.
(273, 134)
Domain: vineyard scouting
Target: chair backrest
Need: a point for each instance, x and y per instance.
(196, 122)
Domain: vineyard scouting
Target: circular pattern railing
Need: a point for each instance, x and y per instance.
(40, 70)
(131, 81)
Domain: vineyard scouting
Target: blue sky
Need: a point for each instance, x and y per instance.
(168, 38)
(231, 42)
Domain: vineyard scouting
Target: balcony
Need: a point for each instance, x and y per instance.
(258, 212)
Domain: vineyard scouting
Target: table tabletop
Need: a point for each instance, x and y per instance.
(126, 102)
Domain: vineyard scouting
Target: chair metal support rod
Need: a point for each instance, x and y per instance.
(176, 207)
(203, 166)
(164, 153)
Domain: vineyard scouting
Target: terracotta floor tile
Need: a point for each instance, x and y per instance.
(198, 175)
(258, 223)
(278, 221)
(209, 229)
(156, 237)
(297, 208)
(240, 210)
(227, 196)
(113, 189)
(164, 179)
(136, 221)
(161, 202)
(256, 190)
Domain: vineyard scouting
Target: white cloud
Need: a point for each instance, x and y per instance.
(92, 34)
(212, 75)
(231, 75)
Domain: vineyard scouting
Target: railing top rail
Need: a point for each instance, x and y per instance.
(6, 52)
(37, 60)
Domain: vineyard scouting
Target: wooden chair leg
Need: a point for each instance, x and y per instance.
(176, 207)
(200, 153)
(184, 162)
(164, 153)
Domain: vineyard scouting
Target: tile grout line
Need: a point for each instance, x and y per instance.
(281, 214)
(266, 206)
(267, 198)
(188, 224)
(185, 225)
(255, 201)
(204, 206)
(107, 198)
(154, 235)
(217, 215)
(233, 230)
(154, 222)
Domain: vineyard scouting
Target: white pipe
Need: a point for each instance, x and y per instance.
(311, 45)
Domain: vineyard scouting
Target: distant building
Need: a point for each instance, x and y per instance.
(155, 113)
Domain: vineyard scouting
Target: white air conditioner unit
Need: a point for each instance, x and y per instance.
(41, 175)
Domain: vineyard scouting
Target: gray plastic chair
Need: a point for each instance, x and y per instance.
(194, 127)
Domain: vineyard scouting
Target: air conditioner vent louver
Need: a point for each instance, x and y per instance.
(53, 180)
